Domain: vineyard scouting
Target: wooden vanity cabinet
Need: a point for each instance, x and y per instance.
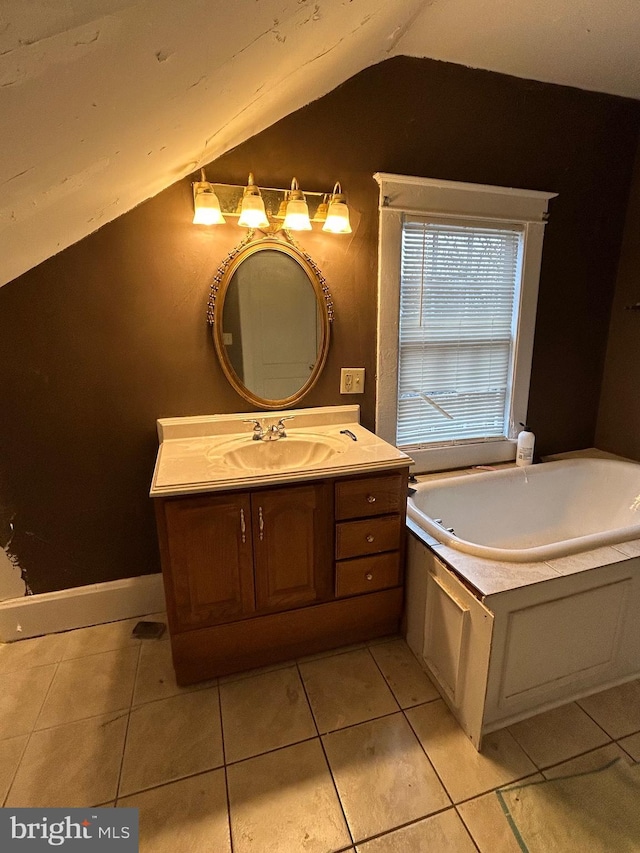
(270, 574)
(370, 518)
(292, 546)
(207, 559)
(233, 555)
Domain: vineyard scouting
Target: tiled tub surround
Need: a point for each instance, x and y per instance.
(351, 750)
(506, 640)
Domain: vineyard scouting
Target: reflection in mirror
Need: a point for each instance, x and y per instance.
(271, 312)
(271, 325)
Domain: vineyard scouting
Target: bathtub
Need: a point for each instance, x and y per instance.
(534, 513)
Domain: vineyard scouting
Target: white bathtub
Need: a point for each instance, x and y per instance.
(534, 513)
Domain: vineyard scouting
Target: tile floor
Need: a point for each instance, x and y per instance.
(351, 750)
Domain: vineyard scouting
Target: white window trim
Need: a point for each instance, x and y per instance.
(402, 194)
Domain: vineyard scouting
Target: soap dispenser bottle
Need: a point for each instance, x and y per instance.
(524, 450)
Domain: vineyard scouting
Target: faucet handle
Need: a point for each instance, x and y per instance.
(280, 425)
(258, 431)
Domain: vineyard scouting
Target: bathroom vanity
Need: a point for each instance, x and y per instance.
(272, 549)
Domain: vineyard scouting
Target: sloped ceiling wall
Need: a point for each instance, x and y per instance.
(104, 103)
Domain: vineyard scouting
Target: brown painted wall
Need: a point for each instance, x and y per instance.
(618, 427)
(101, 340)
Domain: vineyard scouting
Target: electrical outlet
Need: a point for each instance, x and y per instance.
(352, 380)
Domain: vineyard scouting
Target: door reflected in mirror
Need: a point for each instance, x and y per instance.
(271, 326)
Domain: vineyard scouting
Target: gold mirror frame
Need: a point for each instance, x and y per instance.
(215, 310)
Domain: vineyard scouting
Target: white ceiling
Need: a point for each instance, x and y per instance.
(104, 103)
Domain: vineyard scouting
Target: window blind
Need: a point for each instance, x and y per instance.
(458, 304)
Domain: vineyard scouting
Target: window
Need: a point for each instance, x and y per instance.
(459, 267)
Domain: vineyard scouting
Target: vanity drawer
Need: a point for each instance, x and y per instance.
(370, 496)
(367, 574)
(369, 536)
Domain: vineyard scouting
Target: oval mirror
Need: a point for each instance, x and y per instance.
(271, 319)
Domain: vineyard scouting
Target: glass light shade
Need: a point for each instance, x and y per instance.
(206, 207)
(337, 221)
(297, 218)
(253, 214)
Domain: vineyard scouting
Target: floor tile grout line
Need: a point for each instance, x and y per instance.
(423, 748)
(586, 752)
(168, 782)
(467, 828)
(539, 772)
(126, 731)
(30, 733)
(224, 768)
(117, 712)
(88, 716)
(477, 796)
(15, 773)
(231, 678)
(121, 647)
(361, 722)
(404, 825)
(183, 691)
(326, 758)
(591, 717)
(384, 677)
(541, 767)
(270, 751)
(522, 747)
(46, 696)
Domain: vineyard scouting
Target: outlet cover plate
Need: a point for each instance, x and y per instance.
(352, 380)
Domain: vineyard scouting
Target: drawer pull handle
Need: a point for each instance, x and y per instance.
(371, 499)
(260, 523)
(369, 576)
(369, 537)
(243, 527)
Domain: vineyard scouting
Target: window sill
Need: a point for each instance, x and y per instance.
(461, 455)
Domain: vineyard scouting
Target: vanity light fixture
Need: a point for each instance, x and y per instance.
(337, 219)
(269, 208)
(297, 216)
(252, 213)
(206, 207)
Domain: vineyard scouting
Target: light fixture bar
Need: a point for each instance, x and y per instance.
(232, 197)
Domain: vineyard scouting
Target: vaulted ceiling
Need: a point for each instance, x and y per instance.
(103, 103)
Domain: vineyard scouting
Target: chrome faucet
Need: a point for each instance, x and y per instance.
(273, 432)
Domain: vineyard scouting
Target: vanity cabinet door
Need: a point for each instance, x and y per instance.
(293, 543)
(209, 569)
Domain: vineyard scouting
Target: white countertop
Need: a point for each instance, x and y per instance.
(191, 455)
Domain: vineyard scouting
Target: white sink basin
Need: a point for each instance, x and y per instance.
(285, 454)
(217, 452)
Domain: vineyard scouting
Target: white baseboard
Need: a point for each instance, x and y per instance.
(50, 612)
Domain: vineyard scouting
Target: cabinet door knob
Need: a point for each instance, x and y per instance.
(243, 527)
(369, 537)
(260, 523)
(371, 499)
(369, 576)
